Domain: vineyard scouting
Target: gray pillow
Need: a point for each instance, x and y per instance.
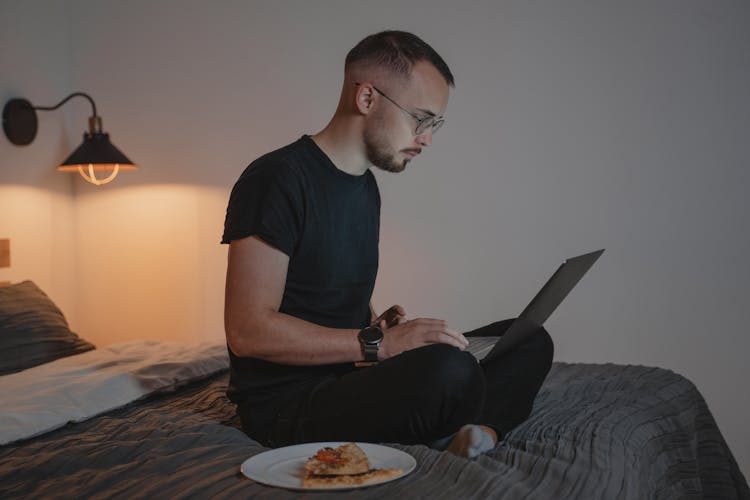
(32, 329)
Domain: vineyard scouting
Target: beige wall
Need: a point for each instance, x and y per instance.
(573, 126)
(150, 263)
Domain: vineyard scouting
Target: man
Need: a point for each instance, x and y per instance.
(303, 228)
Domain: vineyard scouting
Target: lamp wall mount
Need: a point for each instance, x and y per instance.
(19, 121)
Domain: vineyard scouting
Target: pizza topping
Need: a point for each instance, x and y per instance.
(330, 456)
(345, 459)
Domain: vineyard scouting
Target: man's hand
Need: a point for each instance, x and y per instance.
(394, 315)
(418, 333)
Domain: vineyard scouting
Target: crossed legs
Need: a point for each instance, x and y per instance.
(420, 396)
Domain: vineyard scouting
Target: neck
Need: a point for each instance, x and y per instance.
(341, 141)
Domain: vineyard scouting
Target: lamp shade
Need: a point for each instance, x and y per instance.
(98, 153)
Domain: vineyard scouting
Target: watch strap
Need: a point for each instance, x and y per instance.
(371, 352)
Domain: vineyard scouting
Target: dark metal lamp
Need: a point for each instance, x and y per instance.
(96, 154)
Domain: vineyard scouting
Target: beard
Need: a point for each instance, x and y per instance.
(378, 150)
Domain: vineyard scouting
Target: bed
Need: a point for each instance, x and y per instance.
(151, 419)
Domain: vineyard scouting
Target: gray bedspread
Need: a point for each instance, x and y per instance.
(597, 431)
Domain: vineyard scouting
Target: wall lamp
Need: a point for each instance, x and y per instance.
(96, 154)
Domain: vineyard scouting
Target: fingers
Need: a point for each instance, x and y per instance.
(412, 334)
(453, 337)
(387, 320)
(437, 331)
(394, 315)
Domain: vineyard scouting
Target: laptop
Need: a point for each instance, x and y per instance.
(539, 309)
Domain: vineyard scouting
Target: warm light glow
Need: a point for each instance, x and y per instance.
(130, 283)
(98, 167)
(90, 176)
(88, 171)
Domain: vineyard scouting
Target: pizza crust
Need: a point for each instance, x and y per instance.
(369, 477)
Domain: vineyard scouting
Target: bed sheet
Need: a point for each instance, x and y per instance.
(596, 431)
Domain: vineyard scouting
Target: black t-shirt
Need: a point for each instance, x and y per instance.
(328, 223)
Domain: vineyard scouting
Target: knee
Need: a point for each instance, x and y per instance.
(450, 373)
(449, 363)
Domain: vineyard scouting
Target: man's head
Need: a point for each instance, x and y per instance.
(400, 88)
(396, 52)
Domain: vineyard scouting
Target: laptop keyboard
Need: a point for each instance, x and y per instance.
(481, 346)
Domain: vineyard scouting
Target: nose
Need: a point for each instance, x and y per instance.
(425, 138)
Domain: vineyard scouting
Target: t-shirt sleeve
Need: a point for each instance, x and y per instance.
(266, 202)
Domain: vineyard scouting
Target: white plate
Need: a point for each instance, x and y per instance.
(284, 467)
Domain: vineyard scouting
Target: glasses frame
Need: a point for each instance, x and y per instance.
(431, 121)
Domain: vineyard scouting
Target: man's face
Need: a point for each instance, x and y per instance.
(389, 137)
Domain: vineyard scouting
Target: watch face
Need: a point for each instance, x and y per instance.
(371, 335)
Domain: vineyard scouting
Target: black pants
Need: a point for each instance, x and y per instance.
(419, 396)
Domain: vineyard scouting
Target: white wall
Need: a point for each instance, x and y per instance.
(574, 126)
(36, 203)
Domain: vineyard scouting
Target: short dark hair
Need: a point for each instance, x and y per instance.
(397, 51)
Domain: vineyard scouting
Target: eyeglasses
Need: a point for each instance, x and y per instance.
(432, 121)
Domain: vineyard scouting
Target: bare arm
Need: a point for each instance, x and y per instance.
(256, 276)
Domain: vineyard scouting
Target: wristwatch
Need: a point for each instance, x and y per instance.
(370, 338)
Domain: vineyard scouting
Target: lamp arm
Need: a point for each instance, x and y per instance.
(95, 122)
(74, 94)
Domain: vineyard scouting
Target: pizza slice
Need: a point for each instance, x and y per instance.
(346, 465)
(346, 459)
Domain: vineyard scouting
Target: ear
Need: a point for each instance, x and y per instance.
(364, 96)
